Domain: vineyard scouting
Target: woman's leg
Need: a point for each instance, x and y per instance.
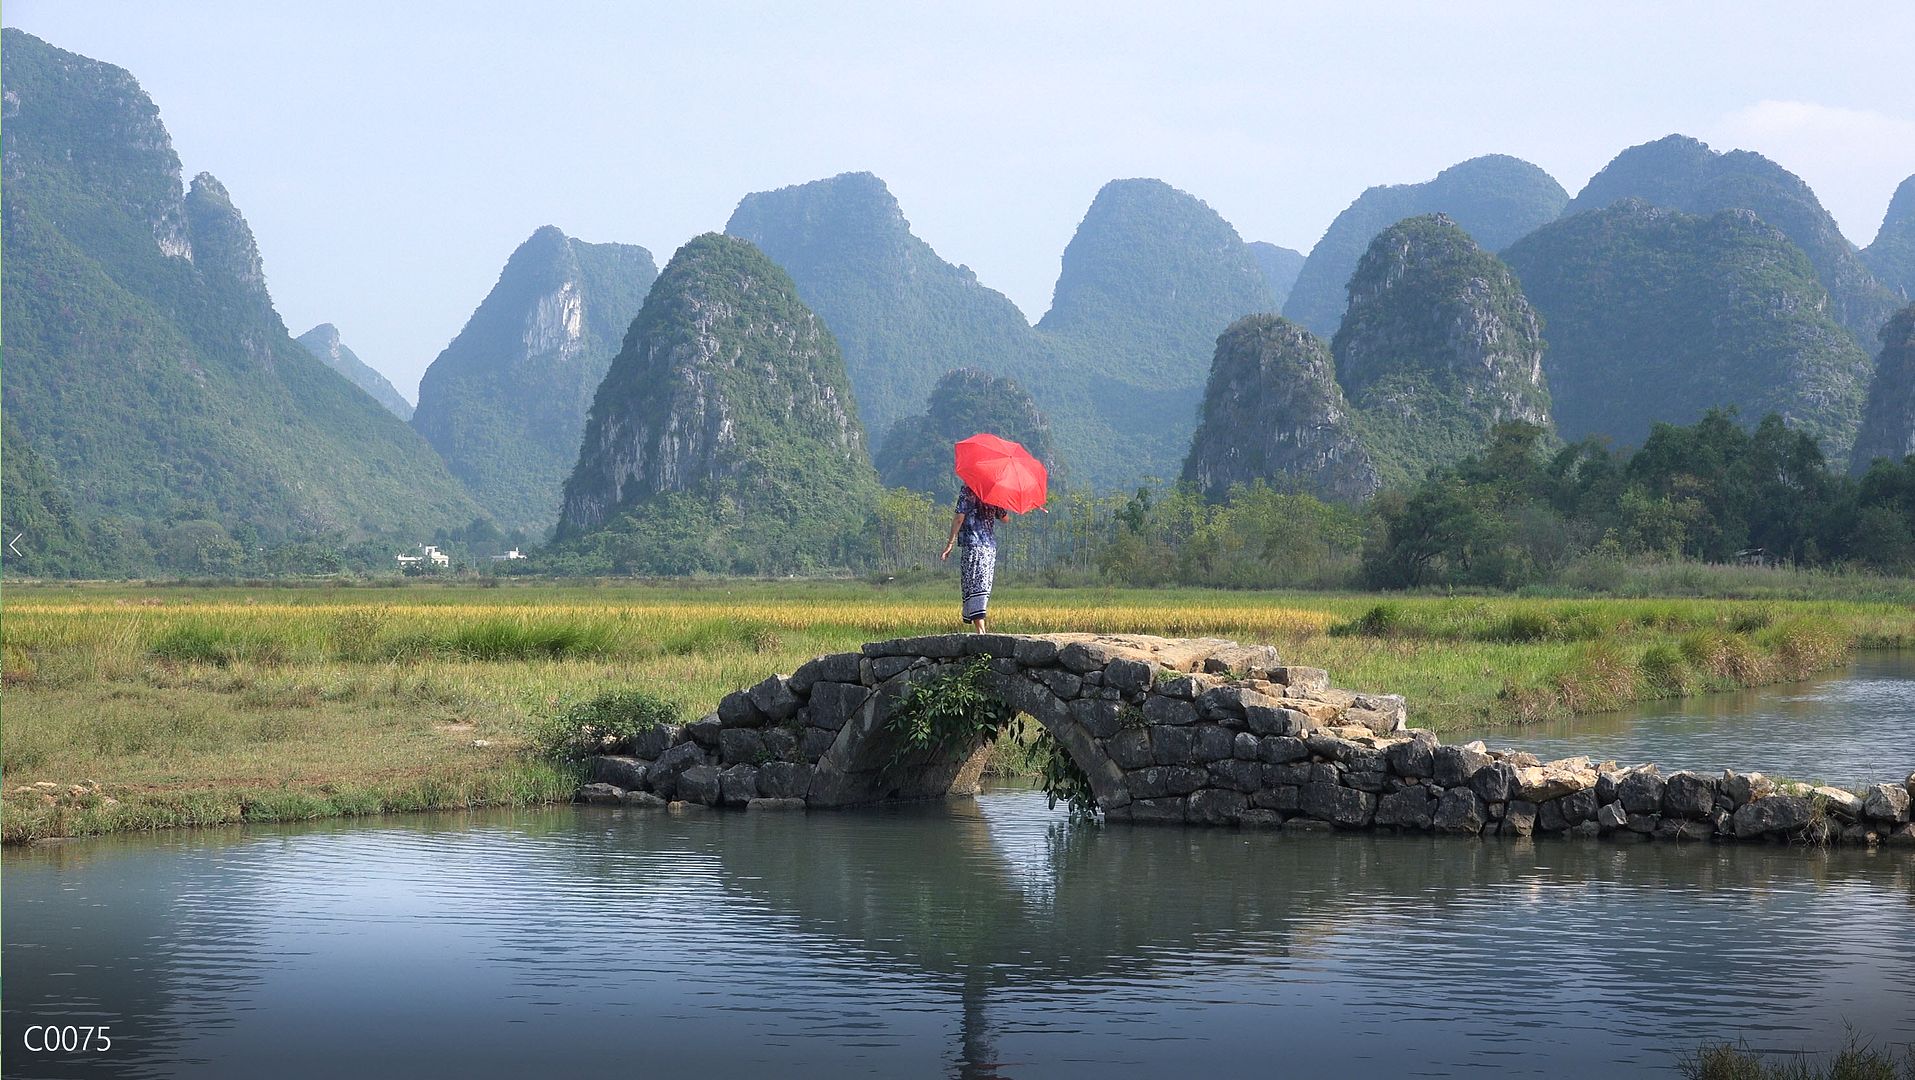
(976, 571)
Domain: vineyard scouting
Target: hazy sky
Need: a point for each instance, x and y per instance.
(389, 156)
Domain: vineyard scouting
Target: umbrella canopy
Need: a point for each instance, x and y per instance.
(1002, 473)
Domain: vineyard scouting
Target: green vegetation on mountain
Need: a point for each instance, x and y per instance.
(902, 315)
(1438, 346)
(917, 452)
(724, 438)
(1496, 199)
(1657, 315)
(1274, 414)
(1892, 255)
(1684, 174)
(1280, 267)
(323, 341)
(53, 541)
(144, 361)
(1888, 418)
(505, 403)
(1150, 279)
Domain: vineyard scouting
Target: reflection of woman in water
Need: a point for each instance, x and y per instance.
(974, 528)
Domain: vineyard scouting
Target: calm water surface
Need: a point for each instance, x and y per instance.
(986, 938)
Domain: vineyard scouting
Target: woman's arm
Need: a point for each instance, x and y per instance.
(957, 522)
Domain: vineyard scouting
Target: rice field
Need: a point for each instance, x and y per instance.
(134, 707)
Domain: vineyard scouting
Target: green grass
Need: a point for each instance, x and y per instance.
(1855, 1061)
(190, 705)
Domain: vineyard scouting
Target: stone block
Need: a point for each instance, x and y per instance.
(998, 645)
(1306, 824)
(1886, 802)
(1577, 806)
(1165, 811)
(1130, 748)
(835, 667)
(1062, 683)
(1840, 803)
(782, 742)
(1295, 772)
(1745, 788)
(1214, 742)
(785, 805)
(814, 742)
(1410, 808)
(1242, 661)
(736, 710)
(775, 699)
(1260, 819)
(936, 646)
(1775, 814)
(603, 794)
(1225, 702)
(1159, 709)
(784, 779)
(1541, 783)
(1460, 810)
(890, 667)
(1688, 795)
(1300, 679)
(1129, 676)
(1186, 687)
(619, 771)
(1454, 766)
(1639, 790)
(1158, 781)
(705, 731)
(1374, 782)
(1173, 745)
(1285, 797)
(741, 746)
(1495, 782)
(1034, 652)
(675, 761)
(738, 785)
(1244, 776)
(1384, 713)
(1612, 816)
(1339, 805)
(655, 740)
(641, 800)
(1215, 806)
(833, 703)
(1414, 758)
(1084, 657)
(1101, 718)
(1642, 823)
(1274, 719)
(1245, 746)
(1519, 817)
(699, 784)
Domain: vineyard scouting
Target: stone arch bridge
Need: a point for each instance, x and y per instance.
(1200, 731)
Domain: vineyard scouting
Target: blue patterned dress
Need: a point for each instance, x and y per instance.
(977, 567)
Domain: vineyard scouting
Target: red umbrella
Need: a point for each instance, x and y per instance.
(1002, 473)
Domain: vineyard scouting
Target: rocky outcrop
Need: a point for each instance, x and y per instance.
(1657, 315)
(1198, 732)
(1280, 267)
(1684, 174)
(1438, 346)
(1273, 412)
(1891, 257)
(1495, 199)
(917, 451)
(1888, 421)
(731, 392)
(323, 342)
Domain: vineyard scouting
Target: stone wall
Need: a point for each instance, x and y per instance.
(1202, 732)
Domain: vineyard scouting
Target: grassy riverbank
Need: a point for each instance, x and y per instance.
(144, 707)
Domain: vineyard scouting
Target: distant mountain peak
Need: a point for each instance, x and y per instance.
(324, 342)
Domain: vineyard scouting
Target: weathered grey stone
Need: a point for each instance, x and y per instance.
(1243, 661)
(1843, 804)
(1166, 710)
(1519, 818)
(1186, 687)
(1722, 822)
(1550, 817)
(1278, 749)
(1886, 802)
(1683, 829)
(1642, 823)
(1456, 765)
(1775, 814)
(657, 739)
(775, 699)
(1093, 678)
(1100, 718)
(1577, 806)
(832, 703)
(784, 779)
(1358, 757)
(1215, 806)
(1004, 665)
(1459, 811)
(1157, 781)
(736, 710)
(1129, 676)
(1300, 679)
(704, 731)
(699, 784)
(1272, 719)
(1130, 748)
(814, 742)
(1688, 795)
(1245, 746)
(1298, 772)
(1062, 683)
(835, 667)
(1035, 652)
(1224, 702)
(1306, 824)
(937, 646)
(1173, 745)
(1586, 830)
(1384, 712)
(1337, 804)
(1541, 783)
(1244, 776)
(1000, 645)
(641, 800)
(1860, 834)
(1084, 657)
(1414, 758)
(1495, 782)
(1282, 797)
(738, 785)
(1903, 836)
(664, 772)
(890, 667)
(741, 746)
(1214, 742)
(598, 793)
(785, 805)
(1030, 697)
(619, 771)
(1166, 811)
(1410, 808)
(1639, 790)
(1745, 788)
(781, 742)
(1260, 819)
(1373, 782)
(1612, 816)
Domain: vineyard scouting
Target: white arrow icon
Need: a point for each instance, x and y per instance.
(16, 539)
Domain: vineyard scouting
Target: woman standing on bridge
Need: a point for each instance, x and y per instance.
(975, 526)
(1000, 478)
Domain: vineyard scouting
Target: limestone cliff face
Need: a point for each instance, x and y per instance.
(1438, 346)
(323, 341)
(223, 245)
(1273, 411)
(505, 403)
(1892, 255)
(1888, 420)
(729, 390)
